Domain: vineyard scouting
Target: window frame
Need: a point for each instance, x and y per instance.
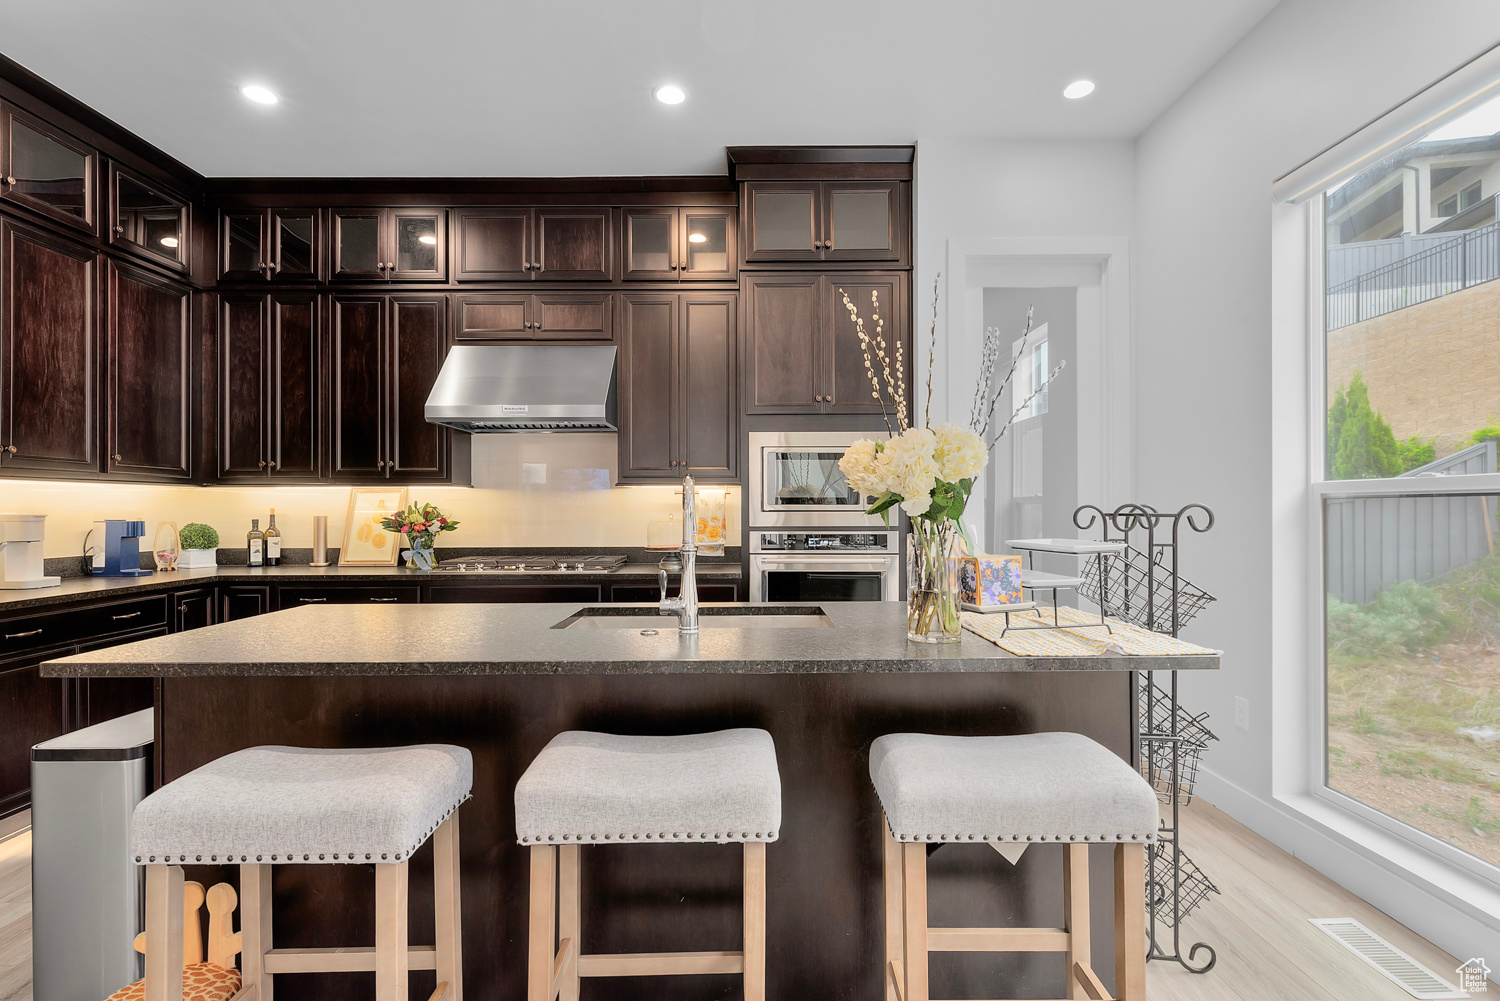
(1322, 489)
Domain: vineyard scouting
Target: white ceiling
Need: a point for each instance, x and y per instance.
(563, 87)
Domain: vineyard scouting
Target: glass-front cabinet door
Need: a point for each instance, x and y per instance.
(46, 170)
(861, 221)
(268, 244)
(242, 241)
(419, 245)
(358, 251)
(294, 244)
(781, 221)
(146, 220)
(708, 248)
(651, 251)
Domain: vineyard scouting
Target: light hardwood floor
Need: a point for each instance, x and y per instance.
(1267, 949)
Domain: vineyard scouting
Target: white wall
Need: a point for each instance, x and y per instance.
(1221, 383)
(975, 190)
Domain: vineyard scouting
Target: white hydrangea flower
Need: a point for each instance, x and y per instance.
(909, 468)
(861, 467)
(960, 453)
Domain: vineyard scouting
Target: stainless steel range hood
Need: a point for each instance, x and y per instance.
(493, 388)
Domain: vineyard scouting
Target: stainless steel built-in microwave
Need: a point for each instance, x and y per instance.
(795, 481)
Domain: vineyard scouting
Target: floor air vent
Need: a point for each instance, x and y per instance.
(1408, 974)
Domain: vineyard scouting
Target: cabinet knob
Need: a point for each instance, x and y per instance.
(9, 179)
(536, 265)
(261, 464)
(12, 450)
(818, 399)
(380, 464)
(525, 265)
(674, 462)
(119, 457)
(390, 265)
(818, 244)
(119, 230)
(182, 607)
(271, 463)
(379, 265)
(827, 244)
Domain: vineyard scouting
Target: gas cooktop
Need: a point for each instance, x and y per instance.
(530, 564)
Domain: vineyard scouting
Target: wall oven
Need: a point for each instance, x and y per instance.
(794, 481)
(798, 565)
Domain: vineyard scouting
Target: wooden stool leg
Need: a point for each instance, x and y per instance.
(895, 920)
(164, 897)
(391, 942)
(914, 894)
(542, 937)
(569, 921)
(755, 921)
(1076, 914)
(1130, 922)
(255, 929)
(449, 908)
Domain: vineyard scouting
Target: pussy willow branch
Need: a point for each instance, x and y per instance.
(1014, 361)
(876, 346)
(931, 352)
(1027, 402)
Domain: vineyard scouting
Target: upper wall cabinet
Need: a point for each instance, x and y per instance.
(501, 243)
(147, 221)
(674, 244)
(279, 245)
(150, 396)
(268, 386)
(801, 221)
(46, 170)
(48, 354)
(404, 245)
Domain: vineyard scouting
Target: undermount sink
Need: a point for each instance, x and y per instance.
(755, 617)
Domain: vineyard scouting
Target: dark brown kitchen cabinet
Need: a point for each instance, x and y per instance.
(400, 244)
(268, 386)
(48, 354)
(678, 406)
(46, 170)
(800, 221)
(545, 316)
(34, 710)
(564, 243)
(146, 220)
(149, 397)
(384, 355)
(279, 245)
(295, 597)
(803, 354)
(675, 244)
(193, 609)
(241, 601)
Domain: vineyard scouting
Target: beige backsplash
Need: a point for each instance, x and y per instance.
(531, 490)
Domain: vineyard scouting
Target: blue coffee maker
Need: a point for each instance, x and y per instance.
(117, 548)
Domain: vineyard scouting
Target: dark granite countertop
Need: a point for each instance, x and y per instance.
(518, 639)
(74, 589)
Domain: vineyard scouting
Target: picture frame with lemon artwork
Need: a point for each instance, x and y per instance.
(366, 544)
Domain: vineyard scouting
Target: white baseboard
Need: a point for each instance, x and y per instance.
(1455, 910)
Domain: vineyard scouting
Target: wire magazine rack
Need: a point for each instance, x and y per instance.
(1143, 585)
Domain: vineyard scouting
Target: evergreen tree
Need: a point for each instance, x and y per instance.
(1361, 444)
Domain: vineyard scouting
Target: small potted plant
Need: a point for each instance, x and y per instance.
(200, 546)
(418, 528)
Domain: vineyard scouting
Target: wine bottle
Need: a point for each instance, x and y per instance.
(273, 542)
(255, 544)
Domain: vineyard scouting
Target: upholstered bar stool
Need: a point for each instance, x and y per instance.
(268, 806)
(1011, 792)
(602, 789)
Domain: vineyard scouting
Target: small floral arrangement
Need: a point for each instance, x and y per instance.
(418, 526)
(928, 471)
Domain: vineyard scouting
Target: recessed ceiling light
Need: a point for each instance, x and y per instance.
(1078, 88)
(169, 241)
(428, 239)
(697, 238)
(259, 94)
(670, 93)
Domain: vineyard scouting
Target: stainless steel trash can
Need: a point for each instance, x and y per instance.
(86, 890)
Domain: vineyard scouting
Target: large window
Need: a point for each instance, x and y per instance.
(1411, 309)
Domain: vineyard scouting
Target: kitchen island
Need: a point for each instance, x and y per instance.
(502, 680)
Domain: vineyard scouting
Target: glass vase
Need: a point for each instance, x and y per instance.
(420, 557)
(932, 598)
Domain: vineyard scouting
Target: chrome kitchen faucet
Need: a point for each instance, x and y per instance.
(685, 605)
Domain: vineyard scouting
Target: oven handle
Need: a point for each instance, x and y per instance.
(802, 563)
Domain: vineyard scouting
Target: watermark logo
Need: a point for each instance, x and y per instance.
(1473, 976)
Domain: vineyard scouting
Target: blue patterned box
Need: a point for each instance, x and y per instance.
(987, 580)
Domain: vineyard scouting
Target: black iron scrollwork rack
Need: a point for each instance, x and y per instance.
(1143, 585)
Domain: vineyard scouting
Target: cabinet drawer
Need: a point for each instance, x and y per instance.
(33, 631)
(295, 597)
(487, 593)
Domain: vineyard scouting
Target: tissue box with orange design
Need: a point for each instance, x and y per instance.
(986, 580)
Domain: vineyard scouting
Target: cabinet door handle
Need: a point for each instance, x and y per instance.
(827, 244)
(818, 244)
(127, 615)
(261, 464)
(309, 601)
(380, 464)
(525, 265)
(382, 599)
(119, 457)
(182, 608)
(271, 463)
(674, 462)
(22, 636)
(9, 179)
(119, 230)
(537, 325)
(12, 450)
(379, 265)
(390, 265)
